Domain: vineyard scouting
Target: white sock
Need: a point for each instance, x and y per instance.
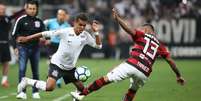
(4, 78)
(37, 83)
(41, 85)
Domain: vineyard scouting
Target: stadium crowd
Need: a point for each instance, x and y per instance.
(136, 12)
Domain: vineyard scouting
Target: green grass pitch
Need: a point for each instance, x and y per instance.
(161, 85)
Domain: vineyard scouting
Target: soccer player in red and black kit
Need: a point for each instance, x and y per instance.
(139, 66)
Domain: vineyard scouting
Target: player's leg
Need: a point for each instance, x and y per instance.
(79, 85)
(137, 80)
(129, 96)
(4, 81)
(5, 58)
(69, 77)
(117, 74)
(49, 85)
(97, 84)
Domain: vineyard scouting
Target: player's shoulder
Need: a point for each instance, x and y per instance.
(67, 29)
(139, 32)
(21, 18)
(86, 33)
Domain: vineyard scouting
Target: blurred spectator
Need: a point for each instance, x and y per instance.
(5, 25)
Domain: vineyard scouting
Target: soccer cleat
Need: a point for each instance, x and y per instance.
(22, 95)
(22, 85)
(77, 96)
(5, 84)
(36, 95)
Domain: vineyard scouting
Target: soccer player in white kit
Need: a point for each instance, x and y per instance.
(62, 63)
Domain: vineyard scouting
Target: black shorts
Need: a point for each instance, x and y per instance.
(4, 53)
(56, 73)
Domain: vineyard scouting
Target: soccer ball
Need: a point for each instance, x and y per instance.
(82, 73)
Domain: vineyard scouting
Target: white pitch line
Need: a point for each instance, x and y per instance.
(3, 97)
(62, 97)
(6, 96)
(13, 94)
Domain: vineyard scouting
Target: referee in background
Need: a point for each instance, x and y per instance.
(25, 25)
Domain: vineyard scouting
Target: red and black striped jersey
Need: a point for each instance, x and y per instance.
(145, 51)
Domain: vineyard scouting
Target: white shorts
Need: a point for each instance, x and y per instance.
(124, 71)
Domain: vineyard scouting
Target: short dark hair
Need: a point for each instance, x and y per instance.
(33, 2)
(149, 25)
(82, 16)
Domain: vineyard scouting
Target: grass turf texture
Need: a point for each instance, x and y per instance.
(161, 85)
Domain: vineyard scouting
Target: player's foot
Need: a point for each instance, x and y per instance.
(77, 96)
(22, 95)
(22, 85)
(5, 84)
(36, 95)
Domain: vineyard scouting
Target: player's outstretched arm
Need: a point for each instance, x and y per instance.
(24, 39)
(117, 17)
(172, 64)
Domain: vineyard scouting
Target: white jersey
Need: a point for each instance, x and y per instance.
(70, 46)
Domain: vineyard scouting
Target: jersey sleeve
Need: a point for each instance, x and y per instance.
(138, 34)
(90, 40)
(163, 51)
(59, 32)
(17, 26)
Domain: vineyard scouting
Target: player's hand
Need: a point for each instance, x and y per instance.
(181, 80)
(16, 51)
(95, 26)
(115, 13)
(22, 39)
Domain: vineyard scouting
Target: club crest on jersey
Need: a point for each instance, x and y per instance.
(37, 24)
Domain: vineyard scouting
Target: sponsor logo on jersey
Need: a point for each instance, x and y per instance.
(82, 36)
(70, 34)
(25, 23)
(142, 66)
(69, 41)
(37, 24)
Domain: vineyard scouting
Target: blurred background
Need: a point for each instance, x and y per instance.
(177, 23)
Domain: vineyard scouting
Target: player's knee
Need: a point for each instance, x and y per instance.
(106, 79)
(50, 87)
